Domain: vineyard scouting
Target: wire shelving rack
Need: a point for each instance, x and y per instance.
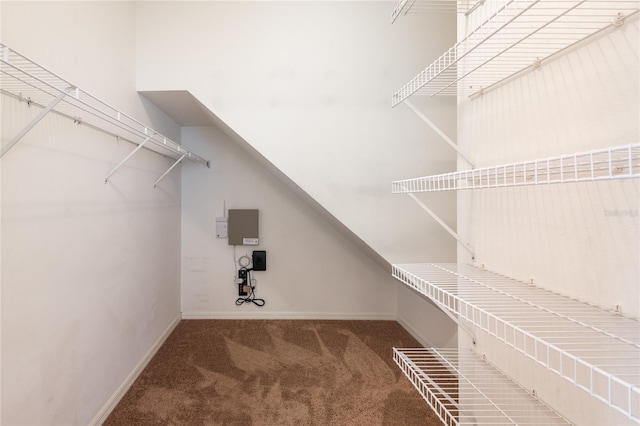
(464, 389)
(596, 350)
(23, 79)
(520, 35)
(434, 6)
(620, 162)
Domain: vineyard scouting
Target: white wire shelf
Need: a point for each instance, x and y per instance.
(464, 389)
(518, 36)
(620, 162)
(434, 6)
(23, 79)
(596, 350)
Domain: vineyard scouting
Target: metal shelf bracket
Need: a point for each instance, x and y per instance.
(440, 133)
(33, 122)
(595, 349)
(155, 184)
(475, 6)
(463, 387)
(617, 162)
(23, 79)
(446, 227)
(106, 178)
(466, 7)
(463, 325)
(505, 43)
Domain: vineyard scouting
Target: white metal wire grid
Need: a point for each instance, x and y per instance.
(620, 162)
(597, 350)
(23, 79)
(433, 6)
(518, 36)
(464, 389)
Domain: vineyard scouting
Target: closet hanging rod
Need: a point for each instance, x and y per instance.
(79, 122)
(26, 80)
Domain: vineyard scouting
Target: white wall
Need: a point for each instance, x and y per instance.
(309, 85)
(89, 44)
(313, 270)
(306, 83)
(564, 236)
(0, 252)
(90, 271)
(427, 323)
(585, 100)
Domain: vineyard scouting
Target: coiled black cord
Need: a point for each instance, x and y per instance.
(251, 297)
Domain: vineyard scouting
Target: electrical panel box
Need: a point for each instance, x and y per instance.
(242, 227)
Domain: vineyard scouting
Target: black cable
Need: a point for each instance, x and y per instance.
(251, 297)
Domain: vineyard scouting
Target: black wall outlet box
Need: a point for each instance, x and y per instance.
(259, 260)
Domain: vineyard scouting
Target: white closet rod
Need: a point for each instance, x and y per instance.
(24, 79)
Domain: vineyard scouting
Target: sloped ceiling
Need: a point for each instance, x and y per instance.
(187, 111)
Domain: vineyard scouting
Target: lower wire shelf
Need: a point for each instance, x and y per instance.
(463, 389)
(596, 350)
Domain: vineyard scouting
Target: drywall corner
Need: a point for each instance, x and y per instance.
(424, 320)
(111, 404)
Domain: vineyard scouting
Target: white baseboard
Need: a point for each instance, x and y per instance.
(412, 331)
(291, 315)
(124, 387)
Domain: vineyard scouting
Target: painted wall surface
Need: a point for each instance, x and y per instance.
(427, 323)
(90, 271)
(312, 270)
(0, 252)
(580, 240)
(309, 85)
(89, 44)
(306, 83)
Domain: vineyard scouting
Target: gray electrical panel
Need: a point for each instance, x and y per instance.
(243, 227)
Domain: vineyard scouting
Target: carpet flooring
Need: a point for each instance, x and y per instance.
(291, 372)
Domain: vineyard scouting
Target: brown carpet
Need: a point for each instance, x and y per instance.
(255, 372)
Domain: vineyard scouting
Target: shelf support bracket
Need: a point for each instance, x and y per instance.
(474, 7)
(106, 178)
(155, 184)
(440, 133)
(435, 217)
(461, 325)
(33, 122)
(478, 390)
